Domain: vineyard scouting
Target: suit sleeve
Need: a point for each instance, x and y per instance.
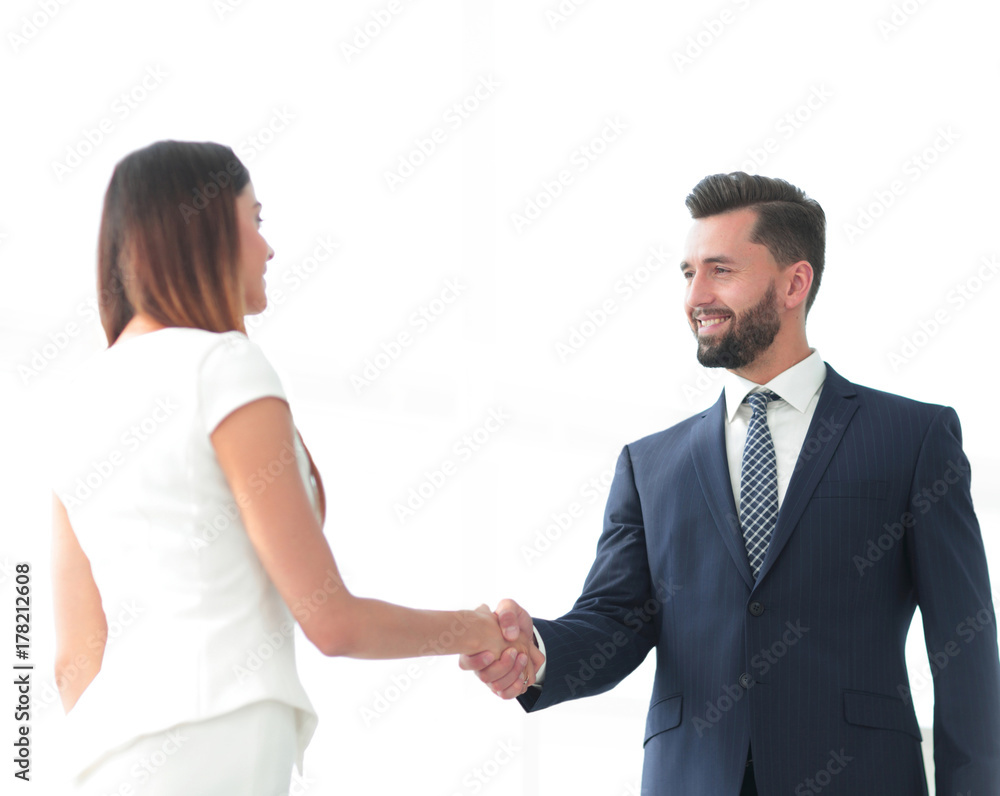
(953, 590)
(612, 626)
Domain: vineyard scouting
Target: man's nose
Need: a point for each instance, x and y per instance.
(699, 291)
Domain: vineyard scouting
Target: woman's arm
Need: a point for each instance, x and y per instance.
(254, 441)
(81, 627)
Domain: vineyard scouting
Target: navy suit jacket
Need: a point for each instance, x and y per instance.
(807, 663)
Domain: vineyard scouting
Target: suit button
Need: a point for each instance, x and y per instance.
(746, 680)
(756, 608)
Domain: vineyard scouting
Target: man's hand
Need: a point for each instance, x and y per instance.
(511, 675)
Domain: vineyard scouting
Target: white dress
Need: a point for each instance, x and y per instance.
(197, 634)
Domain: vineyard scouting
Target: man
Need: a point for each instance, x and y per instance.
(774, 547)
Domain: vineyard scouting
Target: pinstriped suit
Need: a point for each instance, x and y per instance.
(808, 663)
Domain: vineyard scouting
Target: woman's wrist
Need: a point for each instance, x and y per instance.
(482, 632)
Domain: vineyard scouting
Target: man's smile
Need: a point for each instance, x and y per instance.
(710, 324)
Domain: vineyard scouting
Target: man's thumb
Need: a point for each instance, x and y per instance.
(507, 618)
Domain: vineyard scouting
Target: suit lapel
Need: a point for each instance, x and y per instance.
(834, 411)
(708, 450)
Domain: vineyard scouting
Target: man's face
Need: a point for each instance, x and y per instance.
(731, 298)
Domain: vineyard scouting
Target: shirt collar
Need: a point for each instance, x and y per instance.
(796, 385)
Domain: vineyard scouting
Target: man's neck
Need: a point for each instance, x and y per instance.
(773, 363)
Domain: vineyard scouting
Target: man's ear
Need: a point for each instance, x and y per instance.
(798, 279)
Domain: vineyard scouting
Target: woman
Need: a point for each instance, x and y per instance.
(188, 512)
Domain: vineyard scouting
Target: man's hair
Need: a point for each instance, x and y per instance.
(790, 224)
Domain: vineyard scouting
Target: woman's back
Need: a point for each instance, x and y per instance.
(195, 626)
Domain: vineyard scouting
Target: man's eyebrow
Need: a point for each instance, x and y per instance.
(718, 258)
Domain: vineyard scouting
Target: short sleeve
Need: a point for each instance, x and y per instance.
(233, 373)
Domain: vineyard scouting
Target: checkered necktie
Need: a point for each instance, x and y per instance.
(758, 482)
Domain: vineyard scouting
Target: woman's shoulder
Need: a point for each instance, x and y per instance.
(232, 372)
(194, 338)
(168, 338)
(228, 351)
(182, 345)
(174, 354)
(217, 362)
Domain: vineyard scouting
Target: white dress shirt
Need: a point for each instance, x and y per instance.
(788, 419)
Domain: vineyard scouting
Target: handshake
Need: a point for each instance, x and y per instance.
(513, 661)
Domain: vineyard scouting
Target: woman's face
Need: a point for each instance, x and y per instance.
(254, 251)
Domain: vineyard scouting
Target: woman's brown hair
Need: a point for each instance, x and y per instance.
(169, 243)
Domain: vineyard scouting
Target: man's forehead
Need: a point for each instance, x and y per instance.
(726, 229)
(717, 240)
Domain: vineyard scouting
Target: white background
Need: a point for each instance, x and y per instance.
(320, 125)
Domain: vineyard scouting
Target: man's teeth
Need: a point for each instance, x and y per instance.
(710, 321)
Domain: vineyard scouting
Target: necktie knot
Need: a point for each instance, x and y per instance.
(759, 400)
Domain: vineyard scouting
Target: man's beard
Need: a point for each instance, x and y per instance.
(750, 334)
